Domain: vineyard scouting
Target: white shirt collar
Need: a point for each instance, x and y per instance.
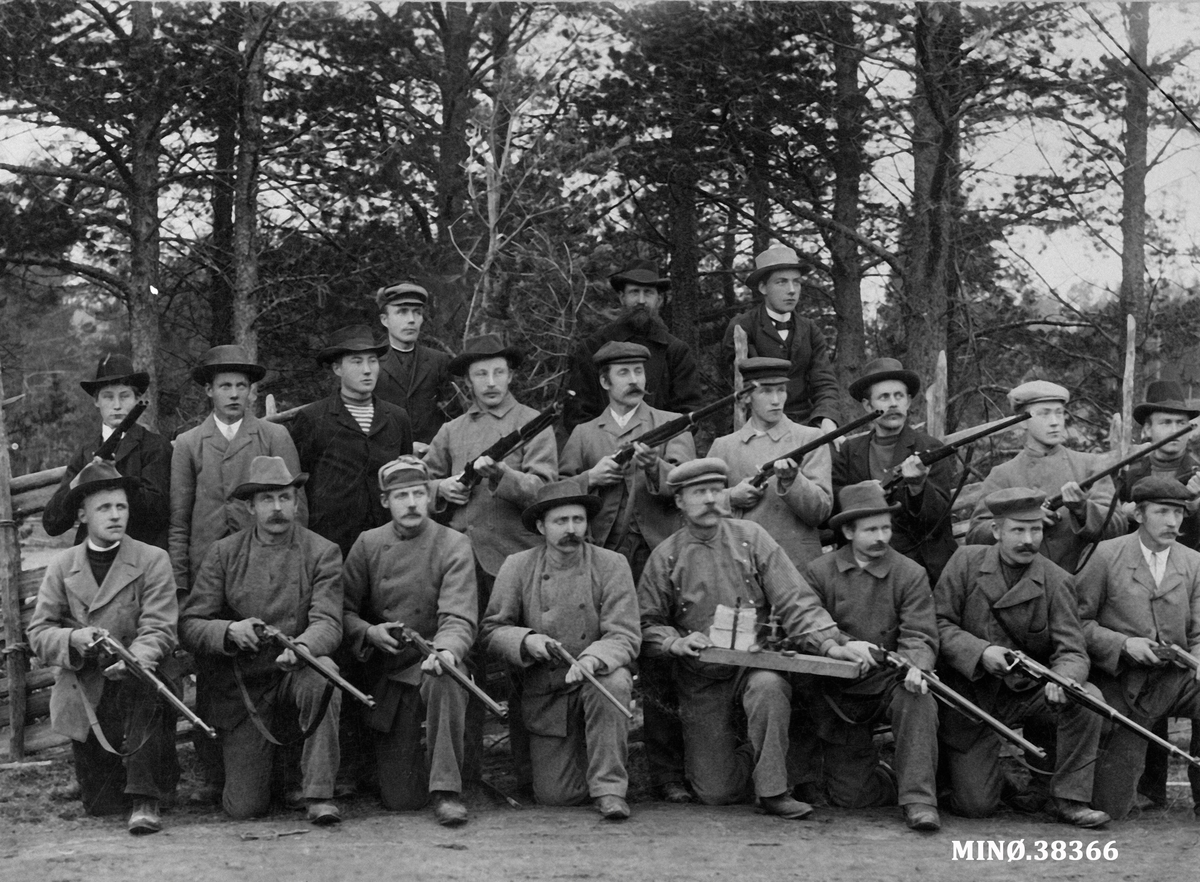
(778, 316)
(623, 421)
(229, 430)
(106, 431)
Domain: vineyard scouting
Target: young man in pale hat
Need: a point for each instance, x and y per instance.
(921, 527)
(278, 573)
(672, 378)
(877, 595)
(1046, 464)
(773, 330)
(412, 376)
(717, 560)
(343, 440)
(990, 600)
(415, 572)
(143, 457)
(798, 498)
(568, 591)
(115, 583)
(210, 460)
(1135, 593)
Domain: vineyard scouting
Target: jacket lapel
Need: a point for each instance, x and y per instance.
(121, 573)
(129, 441)
(768, 326)
(247, 431)
(79, 582)
(1139, 570)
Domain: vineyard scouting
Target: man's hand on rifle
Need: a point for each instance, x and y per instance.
(995, 660)
(538, 646)
(914, 681)
(644, 457)
(243, 635)
(380, 636)
(83, 638)
(454, 491)
(785, 472)
(1055, 694)
(690, 646)
(574, 675)
(1074, 497)
(287, 661)
(745, 495)
(488, 469)
(856, 652)
(605, 473)
(433, 663)
(1141, 651)
(914, 472)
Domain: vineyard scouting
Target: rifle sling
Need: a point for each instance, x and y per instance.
(94, 723)
(257, 719)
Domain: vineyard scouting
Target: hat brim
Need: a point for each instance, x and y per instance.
(620, 280)
(758, 275)
(531, 515)
(854, 514)
(247, 490)
(459, 364)
(1142, 411)
(76, 495)
(860, 387)
(139, 380)
(333, 353)
(204, 374)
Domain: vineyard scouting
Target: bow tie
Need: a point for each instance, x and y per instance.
(782, 326)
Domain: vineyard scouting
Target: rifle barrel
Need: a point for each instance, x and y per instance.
(302, 653)
(768, 468)
(558, 649)
(408, 634)
(1087, 483)
(108, 448)
(937, 454)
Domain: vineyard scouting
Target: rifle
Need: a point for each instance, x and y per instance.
(113, 646)
(270, 632)
(557, 649)
(963, 705)
(768, 468)
(402, 632)
(1079, 695)
(514, 440)
(677, 426)
(1086, 484)
(108, 449)
(1177, 654)
(937, 454)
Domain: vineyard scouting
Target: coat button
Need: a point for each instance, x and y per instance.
(581, 606)
(545, 577)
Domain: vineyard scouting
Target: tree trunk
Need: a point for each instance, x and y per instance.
(225, 111)
(685, 249)
(456, 94)
(1133, 177)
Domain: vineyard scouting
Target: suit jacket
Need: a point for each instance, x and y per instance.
(142, 454)
(205, 470)
(642, 502)
(421, 396)
(919, 517)
(1188, 465)
(343, 465)
(136, 604)
(812, 384)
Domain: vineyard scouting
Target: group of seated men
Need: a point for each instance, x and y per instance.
(613, 555)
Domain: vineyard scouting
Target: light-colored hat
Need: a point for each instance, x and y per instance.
(1036, 391)
(777, 257)
(861, 500)
(1016, 504)
(267, 473)
(403, 471)
(698, 471)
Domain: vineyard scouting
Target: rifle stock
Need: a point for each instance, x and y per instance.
(677, 426)
(1177, 654)
(557, 649)
(270, 632)
(512, 441)
(108, 449)
(1056, 501)
(767, 469)
(403, 632)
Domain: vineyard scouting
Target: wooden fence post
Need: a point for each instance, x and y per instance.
(741, 346)
(935, 399)
(1125, 440)
(16, 662)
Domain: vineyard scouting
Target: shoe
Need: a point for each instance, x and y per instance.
(784, 806)
(1071, 811)
(205, 794)
(448, 809)
(675, 792)
(144, 817)
(613, 808)
(922, 817)
(323, 813)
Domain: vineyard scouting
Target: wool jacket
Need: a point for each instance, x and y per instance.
(420, 394)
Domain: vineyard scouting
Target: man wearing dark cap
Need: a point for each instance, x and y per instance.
(411, 376)
(1135, 593)
(415, 572)
(989, 601)
(773, 330)
(143, 456)
(568, 591)
(278, 573)
(877, 595)
(114, 583)
(921, 528)
(797, 499)
(1047, 465)
(672, 379)
(343, 440)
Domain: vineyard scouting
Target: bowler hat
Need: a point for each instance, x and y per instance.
(483, 347)
(861, 500)
(1016, 504)
(267, 473)
(403, 471)
(884, 369)
(552, 496)
(401, 292)
(92, 478)
(1036, 391)
(764, 370)
(698, 471)
(640, 272)
(777, 257)
(617, 352)
(1164, 396)
(227, 359)
(1167, 491)
(351, 340)
(116, 370)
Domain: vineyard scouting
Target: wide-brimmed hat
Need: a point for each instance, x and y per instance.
(403, 471)
(861, 500)
(640, 272)
(1166, 491)
(698, 471)
(1164, 396)
(552, 496)
(227, 359)
(116, 370)
(351, 340)
(777, 257)
(481, 347)
(1016, 504)
(761, 369)
(268, 473)
(884, 369)
(92, 478)
(401, 292)
(1036, 391)
(620, 352)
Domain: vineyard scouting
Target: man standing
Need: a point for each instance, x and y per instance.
(991, 600)
(123, 586)
(418, 573)
(413, 377)
(143, 457)
(211, 460)
(274, 572)
(672, 379)
(1135, 593)
(921, 527)
(773, 330)
(571, 593)
(797, 499)
(1049, 467)
(877, 595)
(343, 440)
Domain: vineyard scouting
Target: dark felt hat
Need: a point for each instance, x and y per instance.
(777, 257)
(227, 359)
(116, 370)
(1164, 396)
(267, 473)
(617, 352)
(764, 370)
(1167, 491)
(861, 500)
(1016, 504)
(698, 471)
(552, 496)
(351, 340)
(884, 369)
(640, 272)
(481, 347)
(401, 292)
(92, 478)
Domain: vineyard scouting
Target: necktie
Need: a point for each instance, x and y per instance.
(1160, 566)
(782, 326)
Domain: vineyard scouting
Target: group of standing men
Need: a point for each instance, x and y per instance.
(612, 554)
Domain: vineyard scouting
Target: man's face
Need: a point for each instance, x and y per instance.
(489, 378)
(767, 401)
(106, 515)
(781, 290)
(890, 396)
(274, 510)
(870, 536)
(358, 372)
(625, 383)
(409, 506)
(1047, 423)
(114, 403)
(1159, 524)
(565, 527)
(646, 297)
(1018, 541)
(1163, 424)
(229, 393)
(403, 322)
(698, 502)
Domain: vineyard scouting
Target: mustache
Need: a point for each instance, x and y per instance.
(1026, 549)
(571, 539)
(278, 519)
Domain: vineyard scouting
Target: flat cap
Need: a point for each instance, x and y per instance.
(402, 472)
(1035, 391)
(1016, 504)
(614, 352)
(698, 471)
(401, 292)
(1167, 491)
(764, 370)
